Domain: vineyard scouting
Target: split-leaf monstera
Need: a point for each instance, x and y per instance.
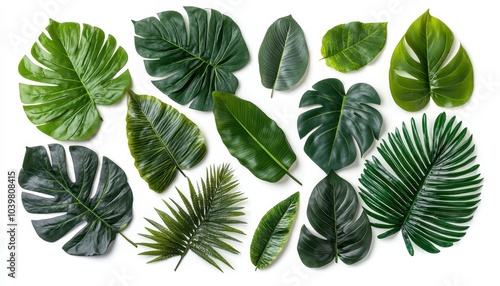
(427, 187)
(422, 67)
(193, 60)
(106, 213)
(77, 70)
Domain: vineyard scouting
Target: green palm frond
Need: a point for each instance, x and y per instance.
(203, 225)
(428, 186)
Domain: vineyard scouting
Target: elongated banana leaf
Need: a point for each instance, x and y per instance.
(253, 138)
(76, 69)
(349, 47)
(194, 58)
(420, 69)
(333, 213)
(273, 232)
(105, 214)
(162, 140)
(338, 123)
(427, 186)
(283, 55)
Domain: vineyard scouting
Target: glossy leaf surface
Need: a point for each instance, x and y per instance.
(338, 122)
(162, 140)
(105, 214)
(426, 186)
(351, 46)
(332, 212)
(191, 59)
(253, 138)
(283, 55)
(204, 225)
(423, 67)
(76, 68)
(273, 232)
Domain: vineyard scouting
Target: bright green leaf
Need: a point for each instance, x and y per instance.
(420, 69)
(338, 120)
(105, 214)
(77, 69)
(193, 60)
(273, 232)
(162, 140)
(253, 138)
(283, 55)
(351, 46)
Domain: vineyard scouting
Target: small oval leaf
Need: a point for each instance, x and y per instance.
(351, 46)
(273, 232)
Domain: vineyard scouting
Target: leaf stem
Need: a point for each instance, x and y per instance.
(180, 260)
(293, 178)
(127, 239)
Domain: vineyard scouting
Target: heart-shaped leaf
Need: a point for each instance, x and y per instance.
(420, 69)
(77, 70)
(283, 55)
(351, 46)
(162, 140)
(191, 61)
(273, 232)
(253, 138)
(340, 119)
(332, 212)
(106, 213)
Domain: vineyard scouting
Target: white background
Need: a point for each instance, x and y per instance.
(472, 261)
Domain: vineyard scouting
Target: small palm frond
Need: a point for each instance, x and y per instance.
(203, 225)
(428, 188)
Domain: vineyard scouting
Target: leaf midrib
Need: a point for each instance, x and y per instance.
(281, 59)
(353, 46)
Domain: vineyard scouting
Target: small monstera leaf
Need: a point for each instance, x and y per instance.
(428, 186)
(283, 55)
(77, 70)
(340, 120)
(106, 213)
(332, 212)
(191, 61)
(273, 232)
(420, 71)
(162, 140)
(349, 47)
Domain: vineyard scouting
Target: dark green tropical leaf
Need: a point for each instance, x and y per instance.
(253, 138)
(340, 119)
(105, 214)
(162, 141)
(427, 187)
(420, 69)
(332, 212)
(76, 69)
(193, 60)
(204, 225)
(273, 232)
(283, 55)
(351, 46)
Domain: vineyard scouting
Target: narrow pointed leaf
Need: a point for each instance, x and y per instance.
(338, 123)
(75, 68)
(414, 192)
(333, 213)
(349, 47)
(253, 138)
(204, 225)
(283, 55)
(192, 58)
(273, 232)
(105, 214)
(423, 67)
(162, 140)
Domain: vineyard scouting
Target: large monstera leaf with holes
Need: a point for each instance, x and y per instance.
(50, 190)
(420, 71)
(427, 185)
(74, 68)
(191, 60)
